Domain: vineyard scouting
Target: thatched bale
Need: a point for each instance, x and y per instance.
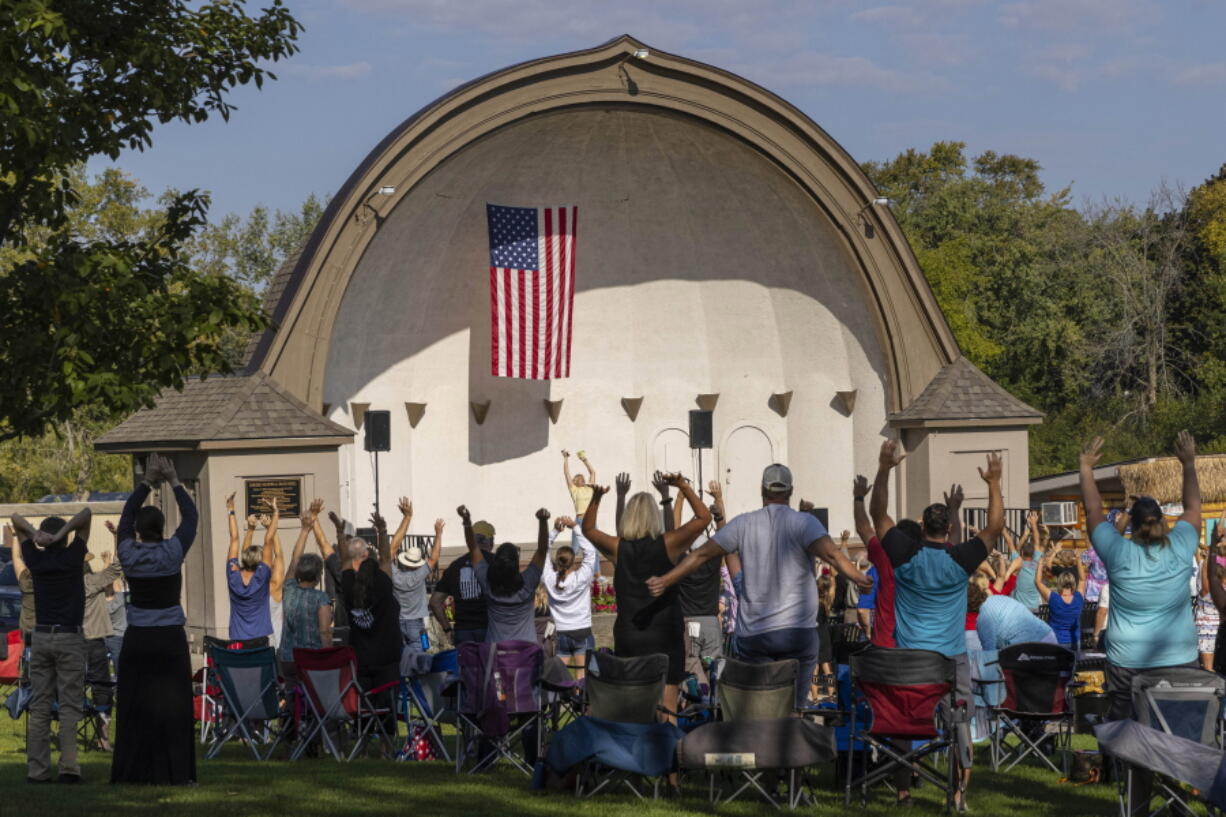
(1163, 478)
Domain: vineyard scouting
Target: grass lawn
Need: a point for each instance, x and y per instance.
(236, 784)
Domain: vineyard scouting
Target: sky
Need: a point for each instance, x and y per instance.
(1112, 97)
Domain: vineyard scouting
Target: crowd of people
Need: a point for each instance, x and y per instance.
(769, 584)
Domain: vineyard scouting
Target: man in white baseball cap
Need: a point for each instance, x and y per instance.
(777, 587)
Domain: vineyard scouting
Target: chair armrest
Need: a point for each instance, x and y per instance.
(383, 687)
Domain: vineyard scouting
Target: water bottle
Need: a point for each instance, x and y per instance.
(425, 641)
(498, 690)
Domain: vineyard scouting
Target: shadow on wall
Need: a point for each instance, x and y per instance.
(516, 424)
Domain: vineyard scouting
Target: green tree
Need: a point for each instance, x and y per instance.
(1107, 319)
(251, 249)
(107, 322)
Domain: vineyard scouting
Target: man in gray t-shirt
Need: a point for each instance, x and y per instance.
(777, 585)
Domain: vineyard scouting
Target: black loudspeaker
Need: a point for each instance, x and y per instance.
(378, 430)
(700, 429)
(823, 516)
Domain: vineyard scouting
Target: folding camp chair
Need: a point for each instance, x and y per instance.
(249, 687)
(498, 681)
(1036, 678)
(10, 665)
(423, 705)
(912, 697)
(335, 699)
(621, 691)
(1183, 701)
(758, 742)
(1163, 761)
(562, 695)
(91, 728)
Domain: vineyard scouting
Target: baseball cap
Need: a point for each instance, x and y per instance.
(483, 528)
(777, 477)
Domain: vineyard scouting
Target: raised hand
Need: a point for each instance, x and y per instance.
(623, 483)
(153, 470)
(439, 524)
(229, 502)
(1185, 447)
(954, 498)
(465, 516)
(266, 520)
(859, 488)
(108, 523)
(845, 537)
(315, 508)
(565, 454)
(660, 484)
(542, 514)
(994, 471)
(1092, 452)
(805, 506)
(598, 491)
(1032, 517)
(675, 480)
(563, 522)
(168, 471)
(715, 490)
(378, 522)
(405, 506)
(891, 454)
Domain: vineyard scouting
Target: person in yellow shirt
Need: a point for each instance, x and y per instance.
(580, 487)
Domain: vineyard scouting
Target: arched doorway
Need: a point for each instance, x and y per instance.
(746, 451)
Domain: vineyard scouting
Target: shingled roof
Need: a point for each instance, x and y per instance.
(218, 409)
(961, 392)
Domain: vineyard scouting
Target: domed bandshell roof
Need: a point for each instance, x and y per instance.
(914, 336)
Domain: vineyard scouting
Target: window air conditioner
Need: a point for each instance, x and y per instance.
(1058, 513)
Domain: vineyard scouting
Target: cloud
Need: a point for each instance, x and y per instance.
(811, 68)
(1098, 16)
(905, 17)
(352, 71)
(1213, 73)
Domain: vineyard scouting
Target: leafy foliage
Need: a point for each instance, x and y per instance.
(106, 318)
(1108, 318)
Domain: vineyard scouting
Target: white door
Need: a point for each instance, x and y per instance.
(745, 454)
(670, 452)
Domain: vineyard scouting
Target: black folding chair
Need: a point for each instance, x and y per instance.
(1037, 677)
(622, 691)
(758, 743)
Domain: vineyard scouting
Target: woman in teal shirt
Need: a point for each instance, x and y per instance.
(1150, 619)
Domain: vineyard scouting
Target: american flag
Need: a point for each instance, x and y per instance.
(532, 290)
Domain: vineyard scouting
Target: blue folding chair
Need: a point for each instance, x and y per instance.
(252, 695)
(423, 707)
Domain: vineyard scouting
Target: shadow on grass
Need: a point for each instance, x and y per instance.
(235, 783)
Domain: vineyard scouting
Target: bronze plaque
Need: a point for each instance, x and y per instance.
(287, 492)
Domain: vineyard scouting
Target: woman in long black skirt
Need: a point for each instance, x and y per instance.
(154, 740)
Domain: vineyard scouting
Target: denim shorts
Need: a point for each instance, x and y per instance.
(575, 642)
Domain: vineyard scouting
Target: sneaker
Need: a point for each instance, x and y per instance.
(65, 777)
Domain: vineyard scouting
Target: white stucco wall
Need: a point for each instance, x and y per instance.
(701, 269)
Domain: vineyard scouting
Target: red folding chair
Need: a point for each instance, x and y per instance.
(334, 698)
(913, 701)
(10, 665)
